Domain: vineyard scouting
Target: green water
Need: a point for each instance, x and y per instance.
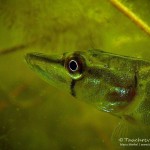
(35, 115)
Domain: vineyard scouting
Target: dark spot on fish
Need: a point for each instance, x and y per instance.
(72, 88)
(136, 80)
(121, 94)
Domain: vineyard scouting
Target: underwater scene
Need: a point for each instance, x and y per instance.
(74, 74)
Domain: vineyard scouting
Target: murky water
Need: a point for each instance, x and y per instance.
(35, 115)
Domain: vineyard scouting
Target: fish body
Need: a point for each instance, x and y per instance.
(116, 84)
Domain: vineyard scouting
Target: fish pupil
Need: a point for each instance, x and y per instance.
(73, 65)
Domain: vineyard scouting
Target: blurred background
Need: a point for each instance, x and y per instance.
(35, 115)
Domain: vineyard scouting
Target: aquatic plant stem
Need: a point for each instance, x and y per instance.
(140, 23)
(16, 48)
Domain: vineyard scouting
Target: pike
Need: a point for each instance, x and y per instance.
(119, 85)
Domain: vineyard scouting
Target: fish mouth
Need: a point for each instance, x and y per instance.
(36, 58)
(49, 67)
(44, 64)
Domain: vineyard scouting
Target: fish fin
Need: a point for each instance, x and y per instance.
(126, 131)
(121, 131)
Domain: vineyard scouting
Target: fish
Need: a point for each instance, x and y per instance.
(116, 84)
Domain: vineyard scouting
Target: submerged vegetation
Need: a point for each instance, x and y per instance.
(36, 115)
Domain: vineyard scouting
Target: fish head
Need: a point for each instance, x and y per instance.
(87, 76)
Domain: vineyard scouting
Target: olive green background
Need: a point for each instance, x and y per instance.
(37, 116)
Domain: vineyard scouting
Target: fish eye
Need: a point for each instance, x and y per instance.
(75, 66)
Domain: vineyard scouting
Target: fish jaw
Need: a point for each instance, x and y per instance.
(50, 68)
